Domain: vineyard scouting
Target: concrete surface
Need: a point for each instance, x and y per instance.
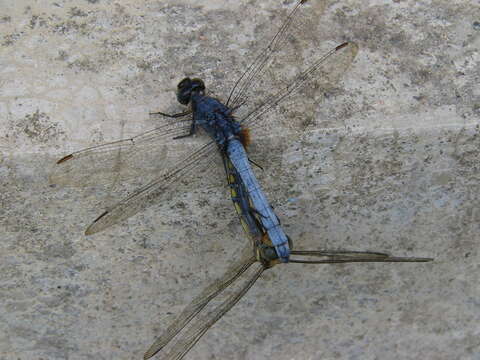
(393, 165)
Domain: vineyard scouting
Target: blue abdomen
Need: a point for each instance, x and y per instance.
(267, 217)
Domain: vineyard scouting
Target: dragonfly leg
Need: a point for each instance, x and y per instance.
(172, 115)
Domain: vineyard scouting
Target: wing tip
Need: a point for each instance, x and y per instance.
(350, 47)
(94, 228)
(149, 354)
(65, 158)
(341, 46)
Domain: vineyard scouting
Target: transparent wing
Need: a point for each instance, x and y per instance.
(142, 154)
(202, 323)
(256, 76)
(321, 75)
(342, 256)
(298, 49)
(174, 180)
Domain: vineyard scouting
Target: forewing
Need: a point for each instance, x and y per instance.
(319, 76)
(146, 153)
(297, 60)
(285, 43)
(204, 163)
(279, 106)
(198, 304)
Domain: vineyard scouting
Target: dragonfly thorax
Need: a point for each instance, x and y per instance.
(208, 112)
(215, 118)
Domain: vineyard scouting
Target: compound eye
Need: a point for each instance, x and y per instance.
(184, 83)
(183, 97)
(198, 84)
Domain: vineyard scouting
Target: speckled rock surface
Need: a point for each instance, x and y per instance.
(392, 165)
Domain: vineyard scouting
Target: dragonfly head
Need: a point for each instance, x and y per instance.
(188, 87)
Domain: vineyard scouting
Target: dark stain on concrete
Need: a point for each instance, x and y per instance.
(10, 39)
(76, 12)
(38, 127)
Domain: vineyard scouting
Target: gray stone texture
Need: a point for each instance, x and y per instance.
(391, 164)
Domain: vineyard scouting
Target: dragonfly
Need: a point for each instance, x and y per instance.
(227, 124)
(258, 256)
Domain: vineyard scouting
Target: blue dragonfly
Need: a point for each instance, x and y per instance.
(227, 124)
